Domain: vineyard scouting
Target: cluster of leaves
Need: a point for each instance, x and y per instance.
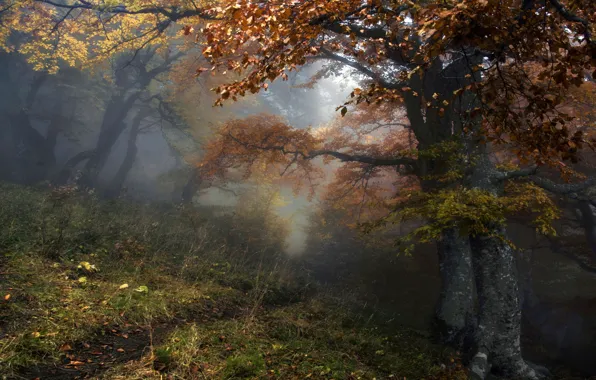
(471, 211)
(536, 52)
(260, 143)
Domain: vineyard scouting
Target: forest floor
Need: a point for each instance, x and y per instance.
(131, 320)
(92, 290)
(116, 290)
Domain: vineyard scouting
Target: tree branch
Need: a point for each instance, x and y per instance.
(502, 176)
(570, 16)
(559, 248)
(358, 66)
(565, 188)
(172, 13)
(374, 161)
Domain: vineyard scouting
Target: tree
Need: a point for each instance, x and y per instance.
(461, 72)
(470, 76)
(30, 149)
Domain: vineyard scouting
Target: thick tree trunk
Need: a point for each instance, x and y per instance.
(497, 346)
(497, 338)
(454, 321)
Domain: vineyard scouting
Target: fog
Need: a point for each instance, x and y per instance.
(119, 133)
(72, 112)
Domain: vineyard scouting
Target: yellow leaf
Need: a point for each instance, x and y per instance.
(123, 286)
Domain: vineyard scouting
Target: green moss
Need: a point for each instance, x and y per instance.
(244, 365)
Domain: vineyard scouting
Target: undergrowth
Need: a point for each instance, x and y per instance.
(119, 290)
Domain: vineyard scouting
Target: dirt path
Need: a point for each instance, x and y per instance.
(84, 360)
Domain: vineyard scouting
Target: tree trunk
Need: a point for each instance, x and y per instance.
(192, 186)
(117, 182)
(65, 173)
(497, 341)
(33, 152)
(588, 221)
(129, 91)
(112, 127)
(497, 346)
(454, 322)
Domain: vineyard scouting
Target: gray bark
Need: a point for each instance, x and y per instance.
(497, 345)
(588, 222)
(454, 322)
(499, 320)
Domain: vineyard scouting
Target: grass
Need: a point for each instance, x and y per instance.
(130, 291)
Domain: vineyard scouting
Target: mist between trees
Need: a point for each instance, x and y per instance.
(430, 164)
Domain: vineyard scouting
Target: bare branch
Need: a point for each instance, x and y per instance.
(7, 8)
(223, 188)
(570, 189)
(360, 67)
(501, 176)
(374, 161)
(57, 25)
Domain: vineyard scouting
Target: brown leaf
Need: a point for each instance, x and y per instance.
(65, 347)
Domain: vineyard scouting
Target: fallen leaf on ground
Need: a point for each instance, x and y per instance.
(65, 347)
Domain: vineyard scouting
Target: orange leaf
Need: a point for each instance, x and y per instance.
(65, 347)
(187, 30)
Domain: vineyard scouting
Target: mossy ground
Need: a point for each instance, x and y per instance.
(122, 291)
